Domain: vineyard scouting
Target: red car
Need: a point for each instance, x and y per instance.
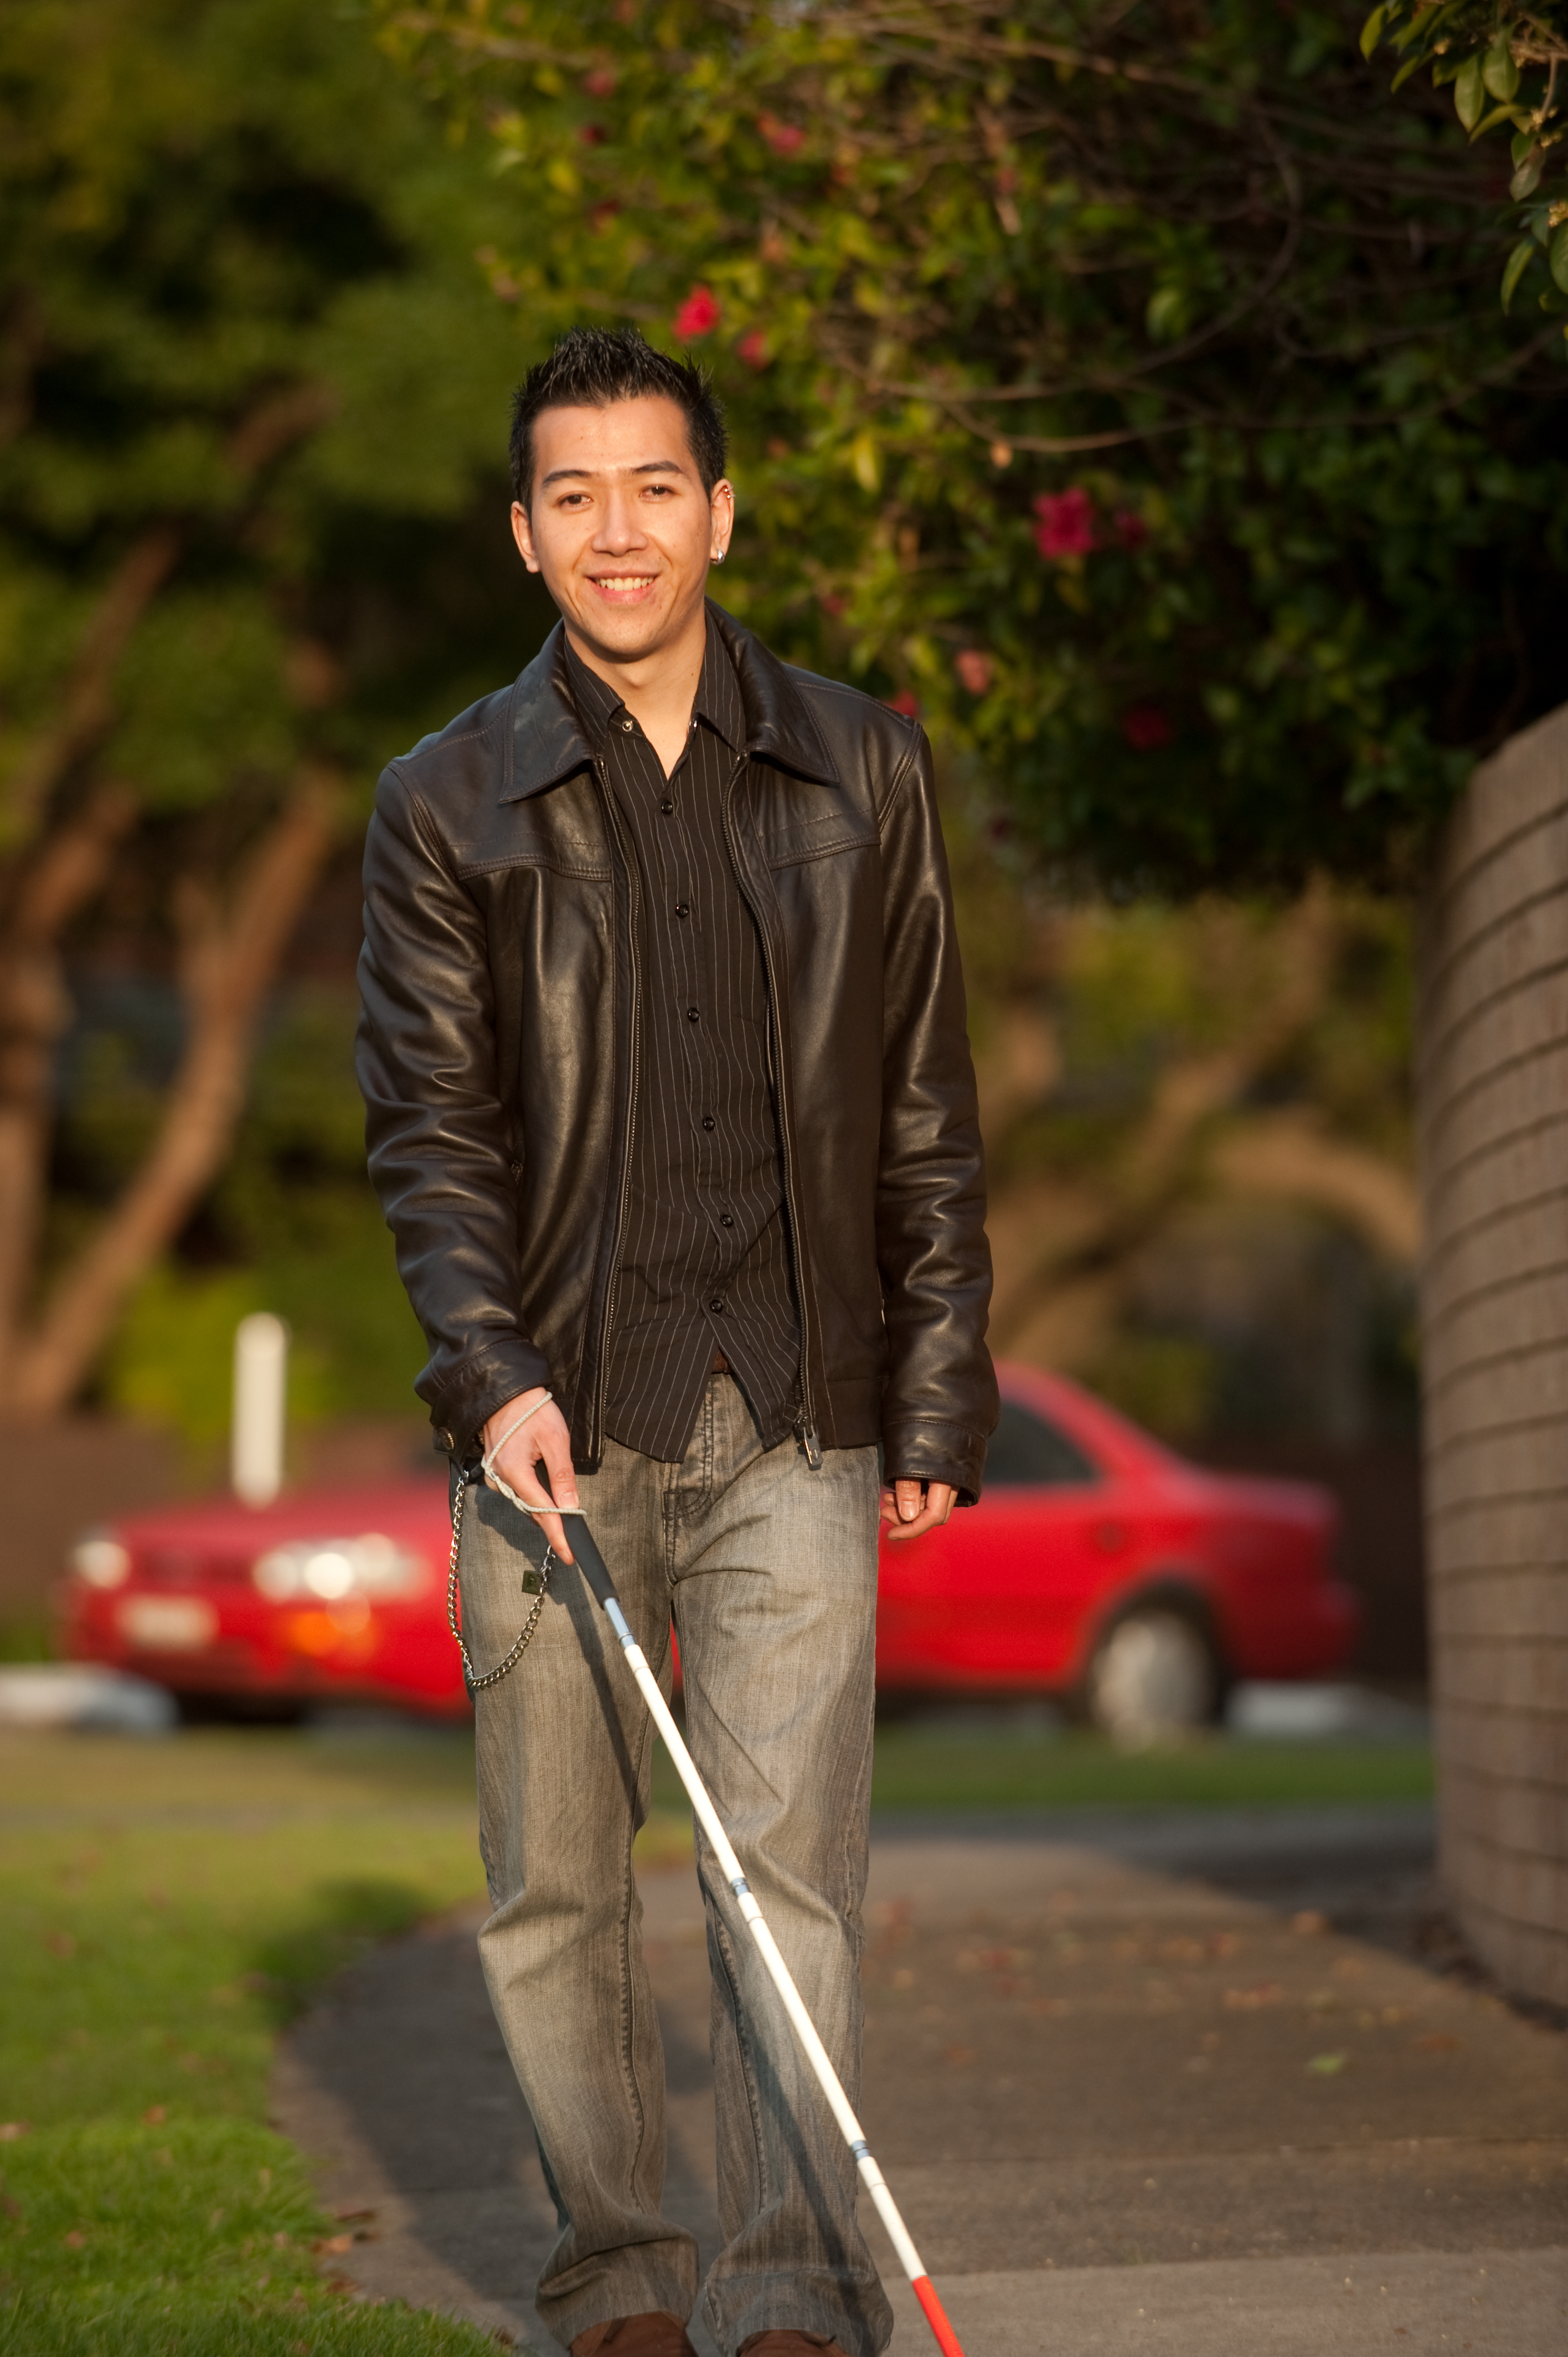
(1099, 1567)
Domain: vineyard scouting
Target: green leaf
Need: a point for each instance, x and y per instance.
(1527, 180)
(1470, 93)
(1372, 31)
(1498, 114)
(1557, 256)
(1517, 264)
(1167, 313)
(1498, 70)
(865, 457)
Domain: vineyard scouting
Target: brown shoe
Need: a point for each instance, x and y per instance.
(658, 2332)
(784, 2342)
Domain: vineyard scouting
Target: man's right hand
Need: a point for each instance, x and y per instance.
(542, 1440)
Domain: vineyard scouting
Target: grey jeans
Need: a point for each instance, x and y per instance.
(769, 1570)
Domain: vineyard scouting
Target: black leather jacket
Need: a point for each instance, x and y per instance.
(499, 1057)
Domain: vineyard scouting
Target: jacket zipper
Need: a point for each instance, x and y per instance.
(805, 1422)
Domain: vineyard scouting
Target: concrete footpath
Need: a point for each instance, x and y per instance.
(1181, 2086)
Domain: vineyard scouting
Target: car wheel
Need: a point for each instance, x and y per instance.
(1154, 1673)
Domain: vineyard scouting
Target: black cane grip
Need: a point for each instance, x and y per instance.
(584, 1548)
(589, 1561)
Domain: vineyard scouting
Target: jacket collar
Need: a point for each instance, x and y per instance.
(545, 741)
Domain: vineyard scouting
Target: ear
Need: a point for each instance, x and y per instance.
(721, 504)
(522, 532)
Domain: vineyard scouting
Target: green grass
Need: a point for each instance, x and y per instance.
(164, 1909)
(934, 1768)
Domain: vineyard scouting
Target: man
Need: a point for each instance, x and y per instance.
(671, 1110)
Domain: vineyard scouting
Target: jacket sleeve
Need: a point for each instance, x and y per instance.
(434, 1126)
(940, 1404)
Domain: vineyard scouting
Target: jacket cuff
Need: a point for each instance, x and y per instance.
(484, 1382)
(917, 1449)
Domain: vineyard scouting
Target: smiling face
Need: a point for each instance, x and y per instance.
(621, 527)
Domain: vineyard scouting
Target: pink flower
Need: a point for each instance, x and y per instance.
(907, 702)
(784, 138)
(699, 313)
(1130, 529)
(600, 82)
(1065, 527)
(1147, 726)
(753, 349)
(975, 669)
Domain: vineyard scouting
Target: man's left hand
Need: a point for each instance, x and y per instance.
(911, 1508)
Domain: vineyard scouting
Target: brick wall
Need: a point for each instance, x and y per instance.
(1492, 1088)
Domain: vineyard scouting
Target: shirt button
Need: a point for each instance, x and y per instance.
(708, 1121)
(692, 1015)
(727, 1219)
(629, 726)
(681, 909)
(668, 804)
(716, 1303)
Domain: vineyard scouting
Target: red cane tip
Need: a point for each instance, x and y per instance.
(948, 2340)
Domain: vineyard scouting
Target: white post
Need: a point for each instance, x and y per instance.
(256, 1447)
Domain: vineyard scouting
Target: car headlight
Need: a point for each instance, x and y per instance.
(100, 1559)
(332, 1568)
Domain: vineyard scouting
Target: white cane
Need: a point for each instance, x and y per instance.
(591, 1563)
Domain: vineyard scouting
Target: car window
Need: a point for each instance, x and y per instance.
(1026, 1448)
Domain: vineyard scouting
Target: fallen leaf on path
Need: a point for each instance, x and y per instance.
(333, 2243)
(1308, 1921)
(1249, 2000)
(1327, 2065)
(958, 2055)
(1436, 2041)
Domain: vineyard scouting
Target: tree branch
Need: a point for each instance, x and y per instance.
(229, 966)
(34, 1012)
(85, 705)
(1153, 1169)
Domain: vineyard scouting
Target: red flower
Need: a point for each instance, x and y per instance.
(1065, 527)
(1147, 726)
(753, 349)
(600, 82)
(907, 702)
(602, 214)
(1130, 529)
(975, 669)
(591, 134)
(699, 313)
(784, 138)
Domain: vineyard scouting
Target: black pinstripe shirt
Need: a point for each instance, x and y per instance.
(704, 1257)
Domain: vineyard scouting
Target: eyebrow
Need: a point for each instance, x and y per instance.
(589, 474)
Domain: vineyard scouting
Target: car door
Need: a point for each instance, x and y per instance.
(998, 1597)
